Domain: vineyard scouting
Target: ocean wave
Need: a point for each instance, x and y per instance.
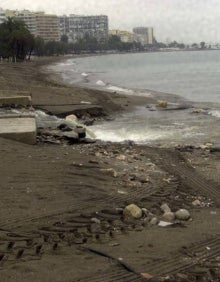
(120, 89)
(214, 113)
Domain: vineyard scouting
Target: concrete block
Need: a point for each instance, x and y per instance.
(19, 128)
(15, 100)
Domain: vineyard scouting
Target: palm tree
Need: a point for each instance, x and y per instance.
(16, 41)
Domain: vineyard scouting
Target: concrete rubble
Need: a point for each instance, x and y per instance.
(18, 122)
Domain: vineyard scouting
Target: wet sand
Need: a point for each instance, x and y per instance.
(56, 199)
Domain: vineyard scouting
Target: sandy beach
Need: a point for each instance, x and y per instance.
(62, 206)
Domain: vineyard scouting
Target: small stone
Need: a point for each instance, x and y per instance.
(182, 276)
(95, 228)
(110, 171)
(182, 214)
(170, 216)
(154, 221)
(132, 211)
(97, 154)
(139, 228)
(145, 212)
(198, 111)
(121, 157)
(165, 208)
(95, 220)
(196, 203)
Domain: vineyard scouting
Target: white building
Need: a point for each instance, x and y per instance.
(77, 27)
(144, 35)
(125, 36)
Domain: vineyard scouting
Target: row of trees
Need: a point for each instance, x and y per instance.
(175, 44)
(17, 43)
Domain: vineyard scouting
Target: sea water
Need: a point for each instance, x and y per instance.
(193, 76)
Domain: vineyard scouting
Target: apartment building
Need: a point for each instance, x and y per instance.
(38, 23)
(64, 25)
(125, 36)
(144, 35)
(47, 27)
(2, 15)
(77, 27)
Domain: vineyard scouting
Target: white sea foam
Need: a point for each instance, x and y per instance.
(84, 74)
(214, 113)
(120, 89)
(100, 83)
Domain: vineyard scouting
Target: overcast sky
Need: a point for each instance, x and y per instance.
(181, 20)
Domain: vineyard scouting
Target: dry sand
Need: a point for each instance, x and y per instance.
(59, 202)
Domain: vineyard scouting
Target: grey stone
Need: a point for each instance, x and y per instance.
(154, 221)
(182, 214)
(95, 220)
(165, 208)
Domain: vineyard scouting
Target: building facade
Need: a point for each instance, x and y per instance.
(144, 35)
(64, 25)
(47, 27)
(125, 36)
(38, 23)
(78, 27)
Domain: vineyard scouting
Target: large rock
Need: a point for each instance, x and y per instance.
(132, 211)
(182, 214)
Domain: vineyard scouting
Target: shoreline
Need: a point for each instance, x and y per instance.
(154, 94)
(133, 101)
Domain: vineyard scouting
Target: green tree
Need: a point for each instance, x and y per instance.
(39, 46)
(195, 45)
(16, 41)
(202, 45)
(64, 38)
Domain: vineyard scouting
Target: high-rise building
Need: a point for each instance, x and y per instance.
(144, 35)
(64, 25)
(47, 26)
(125, 36)
(78, 27)
(38, 23)
(2, 15)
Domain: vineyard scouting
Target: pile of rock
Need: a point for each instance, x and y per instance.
(132, 211)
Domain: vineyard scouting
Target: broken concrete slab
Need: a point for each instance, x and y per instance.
(19, 128)
(15, 101)
(15, 98)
